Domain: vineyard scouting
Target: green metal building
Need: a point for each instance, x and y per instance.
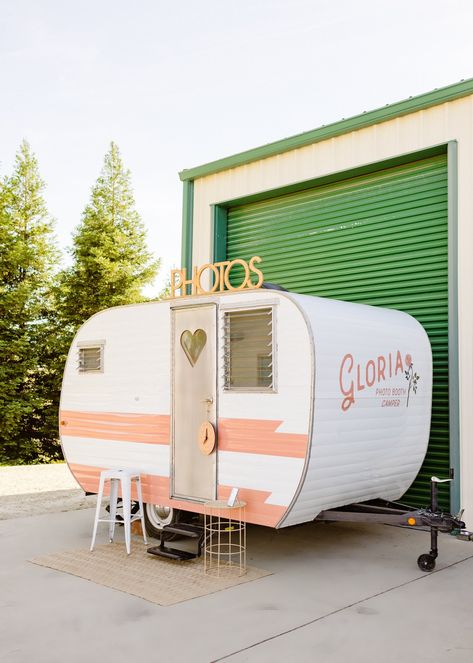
(376, 209)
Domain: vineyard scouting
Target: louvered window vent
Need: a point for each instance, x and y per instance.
(249, 350)
(90, 358)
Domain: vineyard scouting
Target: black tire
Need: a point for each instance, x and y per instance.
(426, 562)
(157, 516)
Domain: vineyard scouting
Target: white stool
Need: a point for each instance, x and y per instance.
(124, 477)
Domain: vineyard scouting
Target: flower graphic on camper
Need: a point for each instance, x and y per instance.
(411, 377)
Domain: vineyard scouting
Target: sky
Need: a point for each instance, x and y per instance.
(178, 84)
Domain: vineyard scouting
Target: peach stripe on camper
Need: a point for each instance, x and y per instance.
(258, 511)
(128, 427)
(260, 437)
(156, 490)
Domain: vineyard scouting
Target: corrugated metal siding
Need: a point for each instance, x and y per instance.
(380, 239)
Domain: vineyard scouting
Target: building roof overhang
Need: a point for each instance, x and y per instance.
(438, 96)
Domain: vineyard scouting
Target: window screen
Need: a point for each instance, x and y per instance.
(90, 359)
(249, 353)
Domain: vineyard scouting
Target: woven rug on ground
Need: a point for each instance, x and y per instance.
(152, 578)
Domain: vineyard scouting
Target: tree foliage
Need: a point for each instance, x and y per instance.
(27, 259)
(41, 308)
(111, 261)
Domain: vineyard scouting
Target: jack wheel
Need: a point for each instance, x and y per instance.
(426, 562)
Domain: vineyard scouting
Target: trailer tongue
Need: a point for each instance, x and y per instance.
(394, 513)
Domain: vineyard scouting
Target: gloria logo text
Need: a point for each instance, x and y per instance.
(355, 377)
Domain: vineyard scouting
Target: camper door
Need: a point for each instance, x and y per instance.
(194, 406)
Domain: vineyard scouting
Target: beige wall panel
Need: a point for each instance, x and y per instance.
(410, 133)
(465, 306)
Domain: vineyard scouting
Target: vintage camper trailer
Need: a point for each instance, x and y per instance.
(302, 403)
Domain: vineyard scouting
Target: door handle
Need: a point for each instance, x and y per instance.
(208, 400)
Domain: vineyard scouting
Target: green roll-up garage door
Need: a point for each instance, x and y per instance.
(380, 239)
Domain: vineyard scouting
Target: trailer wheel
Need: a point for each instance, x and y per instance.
(426, 562)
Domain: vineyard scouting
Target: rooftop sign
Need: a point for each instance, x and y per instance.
(220, 273)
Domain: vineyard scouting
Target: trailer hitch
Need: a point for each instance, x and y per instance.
(443, 522)
(438, 522)
(392, 513)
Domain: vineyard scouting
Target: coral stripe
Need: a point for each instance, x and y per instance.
(239, 435)
(257, 509)
(260, 437)
(127, 427)
(156, 490)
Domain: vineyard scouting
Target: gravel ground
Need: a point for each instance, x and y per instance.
(21, 479)
(29, 490)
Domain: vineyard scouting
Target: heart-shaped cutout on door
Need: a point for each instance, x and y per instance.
(193, 344)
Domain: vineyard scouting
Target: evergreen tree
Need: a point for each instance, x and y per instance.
(111, 261)
(27, 260)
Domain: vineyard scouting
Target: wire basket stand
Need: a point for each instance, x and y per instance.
(225, 538)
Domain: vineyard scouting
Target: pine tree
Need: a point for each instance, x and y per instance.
(27, 259)
(111, 261)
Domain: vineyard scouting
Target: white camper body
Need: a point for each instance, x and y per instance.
(316, 403)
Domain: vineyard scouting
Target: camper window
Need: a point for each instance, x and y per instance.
(90, 359)
(249, 356)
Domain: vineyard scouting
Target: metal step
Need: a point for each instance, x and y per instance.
(171, 553)
(184, 529)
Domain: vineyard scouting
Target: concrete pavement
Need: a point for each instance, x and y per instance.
(338, 592)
